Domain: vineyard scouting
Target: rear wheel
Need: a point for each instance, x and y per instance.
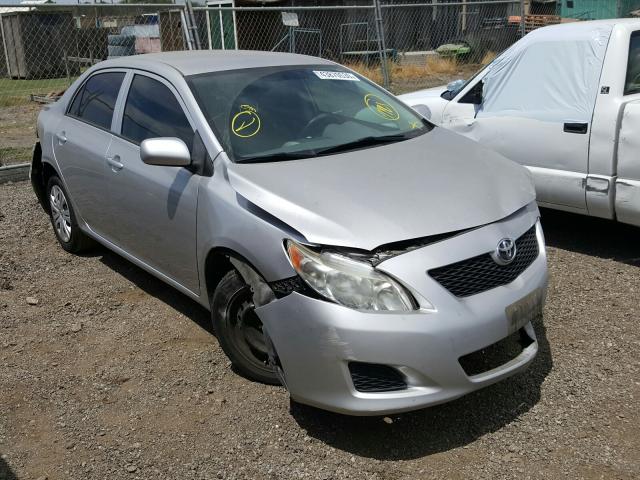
(239, 329)
(63, 218)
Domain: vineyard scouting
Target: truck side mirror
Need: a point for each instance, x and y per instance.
(456, 85)
(452, 89)
(474, 96)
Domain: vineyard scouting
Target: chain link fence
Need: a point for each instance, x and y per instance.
(403, 44)
(45, 47)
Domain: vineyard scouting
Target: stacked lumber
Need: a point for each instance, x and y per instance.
(531, 22)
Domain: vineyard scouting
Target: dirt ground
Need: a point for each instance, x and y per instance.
(105, 372)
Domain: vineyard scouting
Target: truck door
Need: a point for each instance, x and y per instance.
(534, 105)
(627, 197)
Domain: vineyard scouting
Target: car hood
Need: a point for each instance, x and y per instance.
(436, 183)
(415, 97)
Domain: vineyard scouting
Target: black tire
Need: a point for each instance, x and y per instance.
(77, 241)
(239, 330)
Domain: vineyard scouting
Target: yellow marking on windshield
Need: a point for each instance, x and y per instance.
(414, 125)
(380, 107)
(246, 123)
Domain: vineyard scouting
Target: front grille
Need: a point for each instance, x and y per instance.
(371, 377)
(495, 355)
(479, 274)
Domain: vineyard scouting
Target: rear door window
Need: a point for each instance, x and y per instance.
(152, 111)
(95, 101)
(632, 83)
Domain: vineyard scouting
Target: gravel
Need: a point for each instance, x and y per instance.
(112, 374)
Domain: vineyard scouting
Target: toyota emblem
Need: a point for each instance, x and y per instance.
(505, 252)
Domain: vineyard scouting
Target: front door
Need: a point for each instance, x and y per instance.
(154, 206)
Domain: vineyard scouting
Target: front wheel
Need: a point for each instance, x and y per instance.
(63, 218)
(239, 329)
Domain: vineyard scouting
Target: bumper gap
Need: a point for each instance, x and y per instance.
(495, 355)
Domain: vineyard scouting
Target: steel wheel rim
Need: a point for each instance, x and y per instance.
(60, 213)
(246, 330)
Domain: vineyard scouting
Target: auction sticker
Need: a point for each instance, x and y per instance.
(336, 76)
(380, 107)
(246, 123)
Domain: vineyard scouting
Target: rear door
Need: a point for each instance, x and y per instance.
(154, 207)
(81, 141)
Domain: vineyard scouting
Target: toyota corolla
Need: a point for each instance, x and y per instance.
(346, 248)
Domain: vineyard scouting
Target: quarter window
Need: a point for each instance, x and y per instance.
(96, 99)
(152, 111)
(632, 83)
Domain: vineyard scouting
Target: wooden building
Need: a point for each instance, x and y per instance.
(35, 44)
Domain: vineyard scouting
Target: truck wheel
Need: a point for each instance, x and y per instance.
(63, 219)
(239, 329)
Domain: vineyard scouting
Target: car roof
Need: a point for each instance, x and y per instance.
(193, 62)
(581, 26)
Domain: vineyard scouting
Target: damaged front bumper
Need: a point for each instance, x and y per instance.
(321, 345)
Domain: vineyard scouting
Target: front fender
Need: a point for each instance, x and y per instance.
(228, 222)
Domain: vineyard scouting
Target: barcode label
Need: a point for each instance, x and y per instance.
(336, 76)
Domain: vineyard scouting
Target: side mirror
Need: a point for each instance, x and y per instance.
(165, 151)
(474, 96)
(456, 85)
(452, 89)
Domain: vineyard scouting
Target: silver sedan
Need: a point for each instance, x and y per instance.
(346, 247)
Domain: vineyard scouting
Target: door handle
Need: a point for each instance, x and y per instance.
(571, 127)
(62, 138)
(114, 163)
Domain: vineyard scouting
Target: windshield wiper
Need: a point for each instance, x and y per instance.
(278, 156)
(360, 143)
(364, 142)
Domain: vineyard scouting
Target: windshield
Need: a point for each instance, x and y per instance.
(282, 113)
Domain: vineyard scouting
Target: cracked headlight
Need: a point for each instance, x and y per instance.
(347, 281)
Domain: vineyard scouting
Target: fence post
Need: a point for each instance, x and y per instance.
(382, 47)
(186, 30)
(522, 13)
(4, 46)
(192, 26)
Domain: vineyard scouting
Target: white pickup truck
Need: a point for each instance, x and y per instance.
(563, 101)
